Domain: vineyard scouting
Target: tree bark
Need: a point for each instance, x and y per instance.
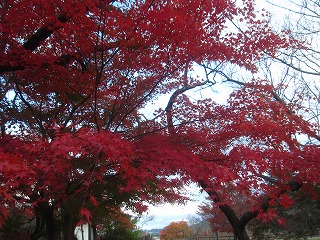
(239, 224)
(46, 226)
(239, 227)
(69, 226)
(52, 229)
(39, 228)
(33, 42)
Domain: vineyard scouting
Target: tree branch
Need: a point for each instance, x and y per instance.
(42, 34)
(176, 93)
(293, 186)
(239, 224)
(33, 42)
(296, 68)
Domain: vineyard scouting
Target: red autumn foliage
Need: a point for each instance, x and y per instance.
(258, 136)
(75, 77)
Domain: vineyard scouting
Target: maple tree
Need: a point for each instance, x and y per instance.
(251, 137)
(293, 74)
(299, 221)
(176, 230)
(216, 219)
(75, 79)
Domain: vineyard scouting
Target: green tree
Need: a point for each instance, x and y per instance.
(120, 227)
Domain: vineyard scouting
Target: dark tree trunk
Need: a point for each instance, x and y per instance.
(69, 225)
(46, 224)
(240, 233)
(39, 228)
(238, 225)
(52, 228)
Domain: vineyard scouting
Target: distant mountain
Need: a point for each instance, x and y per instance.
(155, 231)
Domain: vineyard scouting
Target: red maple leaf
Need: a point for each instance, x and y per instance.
(93, 200)
(286, 201)
(85, 213)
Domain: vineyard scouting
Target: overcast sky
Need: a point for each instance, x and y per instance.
(167, 213)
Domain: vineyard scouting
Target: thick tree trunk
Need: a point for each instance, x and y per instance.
(240, 233)
(69, 226)
(237, 224)
(52, 228)
(239, 227)
(48, 226)
(39, 228)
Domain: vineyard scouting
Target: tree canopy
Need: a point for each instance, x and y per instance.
(293, 75)
(76, 77)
